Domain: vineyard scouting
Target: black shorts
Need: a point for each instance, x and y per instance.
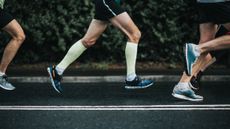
(106, 9)
(5, 18)
(218, 13)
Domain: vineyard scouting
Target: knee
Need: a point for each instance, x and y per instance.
(135, 36)
(20, 37)
(88, 42)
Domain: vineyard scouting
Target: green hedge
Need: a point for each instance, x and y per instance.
(52, 26)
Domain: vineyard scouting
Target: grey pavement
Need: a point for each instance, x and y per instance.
(110, 106)
(72, 75)
(97, 99)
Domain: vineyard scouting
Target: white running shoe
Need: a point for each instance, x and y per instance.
(4, 84)
(184, 91)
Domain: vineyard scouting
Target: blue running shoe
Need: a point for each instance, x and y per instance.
(191, 55)
(55, 78)
(138, 83)
(186, 93)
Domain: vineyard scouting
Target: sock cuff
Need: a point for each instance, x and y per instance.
(183, 83)
(132, 44)
(81, 45)
(59, 70)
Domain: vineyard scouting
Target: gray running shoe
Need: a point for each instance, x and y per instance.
(5, 84)
(186, 93)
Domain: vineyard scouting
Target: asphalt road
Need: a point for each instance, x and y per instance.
(110, 106)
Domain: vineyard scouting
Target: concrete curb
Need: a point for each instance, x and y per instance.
(112, 79)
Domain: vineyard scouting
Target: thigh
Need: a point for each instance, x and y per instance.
(124, 23)
(96, 28)
(14, 28)
(207, 32)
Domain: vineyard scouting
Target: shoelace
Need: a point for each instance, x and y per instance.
(4, 79)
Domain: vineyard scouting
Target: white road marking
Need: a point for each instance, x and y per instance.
(218, 107)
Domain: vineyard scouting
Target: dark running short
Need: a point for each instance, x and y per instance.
(218, 13)
(106, 9)
(5, 18)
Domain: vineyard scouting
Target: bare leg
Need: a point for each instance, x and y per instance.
(207, 33)
(96, 28)
(18, 36)
(126, 25)
(183, 90)
(216, 44)
(220, 43)
(208, 60)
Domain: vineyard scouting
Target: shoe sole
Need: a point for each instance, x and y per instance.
(185, 98)
(138, 87)
(13, 88)
(51, 79)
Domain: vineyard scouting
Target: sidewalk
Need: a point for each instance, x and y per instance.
(73, 75)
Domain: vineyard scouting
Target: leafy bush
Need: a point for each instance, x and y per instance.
(52, 26)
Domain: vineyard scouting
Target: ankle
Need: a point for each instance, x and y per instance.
(131, 77)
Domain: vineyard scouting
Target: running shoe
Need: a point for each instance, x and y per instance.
(138, 83)
(5, 84)
(55, 78)
(191, 55)
(186, 93)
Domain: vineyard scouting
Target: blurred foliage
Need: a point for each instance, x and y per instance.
(52, 26)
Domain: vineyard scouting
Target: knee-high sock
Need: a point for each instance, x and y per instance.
(131, 55)
(74, 52)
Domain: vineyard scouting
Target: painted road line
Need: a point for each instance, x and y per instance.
(218, 107)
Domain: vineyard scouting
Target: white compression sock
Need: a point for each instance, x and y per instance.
(131, 55)
(74, 52)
